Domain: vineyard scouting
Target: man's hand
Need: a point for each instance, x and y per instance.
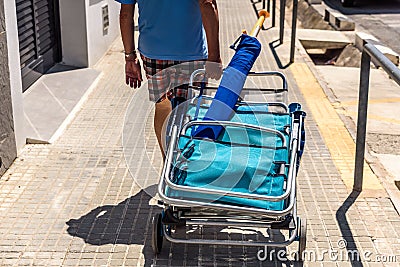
(209, 15)
(133, 73)
(214, 68)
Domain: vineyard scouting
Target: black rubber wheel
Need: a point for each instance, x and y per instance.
(157, 234)
(347, 3)
(302, 234)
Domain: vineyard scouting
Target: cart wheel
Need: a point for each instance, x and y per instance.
(157, 234)
(302, 237)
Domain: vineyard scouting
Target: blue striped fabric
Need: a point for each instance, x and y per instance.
(236, 161)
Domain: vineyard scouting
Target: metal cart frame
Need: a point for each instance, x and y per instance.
(181, 212)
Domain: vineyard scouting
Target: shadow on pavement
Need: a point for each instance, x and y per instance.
(347, 235)
(126, 223)
(129, 222)
(273, 47)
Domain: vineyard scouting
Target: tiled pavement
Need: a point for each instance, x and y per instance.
(75, 203)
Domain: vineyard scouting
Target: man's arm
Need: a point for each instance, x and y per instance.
(132, 65)
(209, 14)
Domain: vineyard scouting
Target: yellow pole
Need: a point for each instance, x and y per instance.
(263, 14)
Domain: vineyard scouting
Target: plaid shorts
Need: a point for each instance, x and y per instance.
(168, 78)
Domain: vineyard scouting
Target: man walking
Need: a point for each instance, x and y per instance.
(171, 32)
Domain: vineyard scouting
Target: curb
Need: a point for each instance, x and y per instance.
(339, 21)
(75, 110)
(393, 193)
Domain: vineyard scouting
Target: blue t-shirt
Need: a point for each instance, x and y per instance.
(170, 29)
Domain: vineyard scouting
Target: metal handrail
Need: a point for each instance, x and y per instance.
(369, 51)
(294, 26)
(282, 24)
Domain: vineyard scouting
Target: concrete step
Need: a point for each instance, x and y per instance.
(322, 39)
(63, 90)
(339, 21)
(363, 38)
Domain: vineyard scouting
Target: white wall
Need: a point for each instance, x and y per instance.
(15, 73)
(73, 33)
(82, 39)
(99, 43)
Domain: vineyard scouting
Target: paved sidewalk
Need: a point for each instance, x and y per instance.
(75, 203)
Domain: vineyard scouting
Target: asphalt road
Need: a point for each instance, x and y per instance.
(380, 18)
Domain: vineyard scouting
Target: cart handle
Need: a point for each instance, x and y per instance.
(263, 14)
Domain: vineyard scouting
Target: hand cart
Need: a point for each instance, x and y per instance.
(246, 177)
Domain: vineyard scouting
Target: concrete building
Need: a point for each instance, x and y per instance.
(7, 135)
(42, 37)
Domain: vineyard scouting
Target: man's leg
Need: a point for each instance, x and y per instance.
(162, 111)
(158, 83)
